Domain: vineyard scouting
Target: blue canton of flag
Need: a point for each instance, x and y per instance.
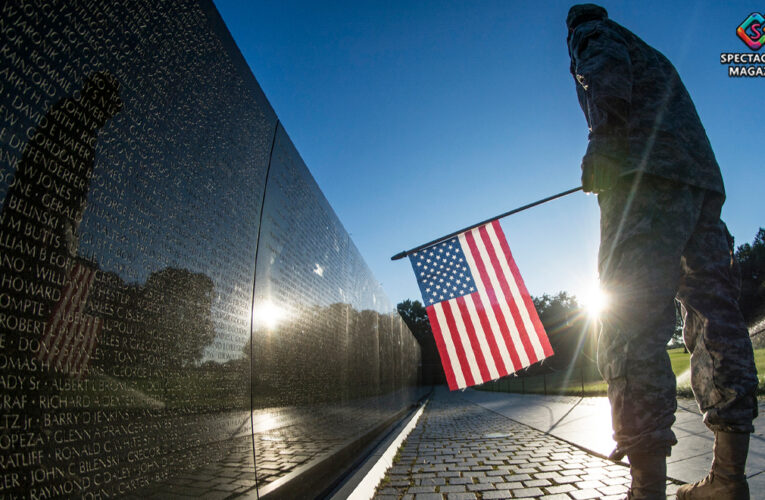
(442, 272)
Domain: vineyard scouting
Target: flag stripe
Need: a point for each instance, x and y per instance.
(445, 350)
(70, 334)
(459, 346)
(483, 331)
(73, 330)
(508, 299)
(481, 350)
(502, 335)
(513, 363)
(90, 337)
(518, 296)
(530, 309)
(78, 342)
(467, 343)
(509, 329)
(59, 312)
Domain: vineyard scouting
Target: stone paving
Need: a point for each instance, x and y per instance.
(461, 451)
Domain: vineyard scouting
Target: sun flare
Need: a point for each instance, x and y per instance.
(267, 314)
(594, 301)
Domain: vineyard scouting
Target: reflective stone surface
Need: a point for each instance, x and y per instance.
(331, 361)
(159, 335)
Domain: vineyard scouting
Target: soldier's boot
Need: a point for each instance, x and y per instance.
(649, 476)
(727, 479)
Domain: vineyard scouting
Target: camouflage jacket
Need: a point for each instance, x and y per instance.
(637, 109)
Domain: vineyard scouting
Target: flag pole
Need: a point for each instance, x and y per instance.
(403, 254)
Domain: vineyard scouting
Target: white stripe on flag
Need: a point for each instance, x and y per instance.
(466, 344)
(488, 310)
(517, 297)
(501, 299)
(481, 334)
(454, 361)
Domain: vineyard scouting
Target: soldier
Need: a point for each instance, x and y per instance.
(660, 193)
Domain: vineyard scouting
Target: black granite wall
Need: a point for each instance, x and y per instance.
(181, 311)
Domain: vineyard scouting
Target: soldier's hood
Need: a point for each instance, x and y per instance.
(585, 12)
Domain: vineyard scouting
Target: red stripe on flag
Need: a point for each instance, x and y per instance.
(439, 336)
(467, 373)
(490, 250)
(484, 328)
(500, 363)
(483, 368)
(493, 302)
(546, 347)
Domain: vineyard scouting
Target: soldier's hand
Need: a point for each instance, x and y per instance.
(599, 173)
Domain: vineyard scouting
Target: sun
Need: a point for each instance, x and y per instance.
(267, 314)
(594, 300)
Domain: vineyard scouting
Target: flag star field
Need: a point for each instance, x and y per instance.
(442, 272)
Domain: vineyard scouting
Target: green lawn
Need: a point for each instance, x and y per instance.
(680, 360)
(587, 382)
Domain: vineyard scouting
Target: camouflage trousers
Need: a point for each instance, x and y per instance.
(661, 240)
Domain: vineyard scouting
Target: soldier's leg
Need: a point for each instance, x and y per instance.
(645, 225)
(723, 375)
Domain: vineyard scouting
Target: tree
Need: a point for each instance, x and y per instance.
(556, 310)
(751, 261)
(415, 316)
(571, 333)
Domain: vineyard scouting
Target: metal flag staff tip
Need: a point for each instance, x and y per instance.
(403, 254)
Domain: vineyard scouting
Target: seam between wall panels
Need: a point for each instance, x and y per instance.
(252, 305)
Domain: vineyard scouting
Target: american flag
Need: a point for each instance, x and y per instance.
(71, 334)
(482, 316)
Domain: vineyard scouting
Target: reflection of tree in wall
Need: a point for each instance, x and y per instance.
(416, 318)
(332, 353)
(181, 319)
(169, 318)
(155, 336)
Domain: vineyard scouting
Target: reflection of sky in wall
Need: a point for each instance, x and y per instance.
(178, 180)
(178, 183)
(179, 171)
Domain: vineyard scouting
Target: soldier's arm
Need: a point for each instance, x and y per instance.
(603, 69)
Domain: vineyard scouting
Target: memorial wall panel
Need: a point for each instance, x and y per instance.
(149, 325)
(321, 367)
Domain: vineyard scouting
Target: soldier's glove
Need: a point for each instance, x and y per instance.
(599, 172)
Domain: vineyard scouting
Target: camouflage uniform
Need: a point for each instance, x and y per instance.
(661, 238)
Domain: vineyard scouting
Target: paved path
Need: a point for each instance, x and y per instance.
(462, 449)
(586, 422)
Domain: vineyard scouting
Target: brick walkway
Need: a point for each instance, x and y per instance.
(461, 451)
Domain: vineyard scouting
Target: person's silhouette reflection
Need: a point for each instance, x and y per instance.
(40, 219)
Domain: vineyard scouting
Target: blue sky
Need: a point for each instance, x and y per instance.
(419, 118)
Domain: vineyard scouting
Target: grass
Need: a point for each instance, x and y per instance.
(587, 382)
(680, 360)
